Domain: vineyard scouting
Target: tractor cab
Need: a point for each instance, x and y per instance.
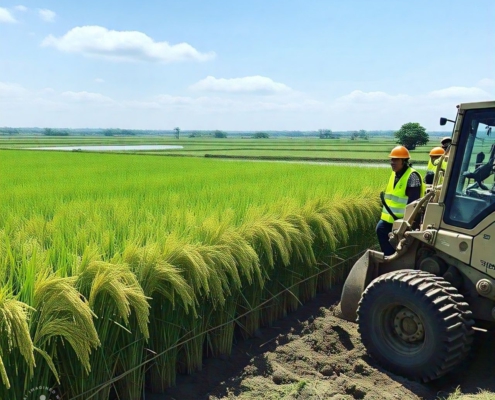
(469, 195)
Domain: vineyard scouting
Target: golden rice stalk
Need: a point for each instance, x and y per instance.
(212, 270)
(268, 236)
(158, 276)
(121, 307)
(118, 283)
(220, 259)
(271, 237)
(186, 257)
(324, 227)
(61, 312)
(225, 237)
(171, 299)
(238, 264)
(14, 334)
(62, 322)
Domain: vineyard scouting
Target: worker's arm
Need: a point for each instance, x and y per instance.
(413, 189)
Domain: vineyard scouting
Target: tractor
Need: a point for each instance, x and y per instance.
(417, 310)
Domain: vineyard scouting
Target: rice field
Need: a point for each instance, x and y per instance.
(374, 149)
(118, 272)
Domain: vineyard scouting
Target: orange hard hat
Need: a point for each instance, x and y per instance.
(446, 138)
(399, 152)
(437, 151)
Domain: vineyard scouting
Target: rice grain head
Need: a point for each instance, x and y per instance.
(14, 332)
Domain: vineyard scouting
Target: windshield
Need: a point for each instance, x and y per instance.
(471, 193)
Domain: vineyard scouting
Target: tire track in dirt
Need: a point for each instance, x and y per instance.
(312, 354)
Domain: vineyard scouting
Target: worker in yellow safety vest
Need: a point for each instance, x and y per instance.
(446, 142)
(404, 186)
(435, 154)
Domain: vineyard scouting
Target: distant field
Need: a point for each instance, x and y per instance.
(341, 149)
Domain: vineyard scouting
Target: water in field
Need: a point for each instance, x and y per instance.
(143, 147)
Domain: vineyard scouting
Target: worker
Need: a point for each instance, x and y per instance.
(435, 154)
(404, 186)
(446, 143)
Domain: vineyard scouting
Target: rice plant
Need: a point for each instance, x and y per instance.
(137, 267)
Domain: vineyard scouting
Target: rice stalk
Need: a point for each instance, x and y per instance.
(62, 322)
(170, 300)
(113, 293)
(208, 294)
(16, 346)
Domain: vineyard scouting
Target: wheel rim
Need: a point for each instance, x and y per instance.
(403, 330)
(408, 326)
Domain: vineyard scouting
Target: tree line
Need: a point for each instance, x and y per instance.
(410, 135)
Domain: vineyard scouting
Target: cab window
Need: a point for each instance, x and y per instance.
(471, 192)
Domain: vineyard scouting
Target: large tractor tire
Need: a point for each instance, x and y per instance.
(415, 324)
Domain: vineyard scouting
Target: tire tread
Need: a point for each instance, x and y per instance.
(451, 310)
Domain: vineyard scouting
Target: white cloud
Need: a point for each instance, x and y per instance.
(143, 105)
(47, 15)
(290, 111)
(100, 42)
(6, 16)
(249, 84)
(11, 90)
(48, 90)
(304, 105)
(87, 97)
(195, 103)
(174, 100)
(461, 93)
(99, 80)
(21, 8)
(237, 105)
(358, 96)
(487, 83)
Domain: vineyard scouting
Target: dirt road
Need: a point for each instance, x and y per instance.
(311, 354)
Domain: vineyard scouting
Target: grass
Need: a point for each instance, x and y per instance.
(458, 395)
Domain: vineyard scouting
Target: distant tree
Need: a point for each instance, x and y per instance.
(9, 131)
(325, 133)
(363, 134)
(177, 132)
(112, 132)
(261, 135)
(219, 134)
(411, 135)
(55, 132)
(354, 135)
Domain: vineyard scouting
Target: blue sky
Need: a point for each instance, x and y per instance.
(243, 65)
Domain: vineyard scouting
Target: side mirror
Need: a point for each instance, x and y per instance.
(443, 121)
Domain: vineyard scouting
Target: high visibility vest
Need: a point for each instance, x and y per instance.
(443, 167)
(396, 198)
(444, 163)
(431, 166)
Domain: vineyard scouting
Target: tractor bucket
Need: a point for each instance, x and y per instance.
(362, 273)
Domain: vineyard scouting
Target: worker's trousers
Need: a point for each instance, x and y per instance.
(382, 230)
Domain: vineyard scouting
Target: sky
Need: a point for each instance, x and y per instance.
(243, 65)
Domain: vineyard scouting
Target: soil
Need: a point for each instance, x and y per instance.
(312, 354)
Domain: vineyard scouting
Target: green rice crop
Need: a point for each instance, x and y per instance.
(136, 267)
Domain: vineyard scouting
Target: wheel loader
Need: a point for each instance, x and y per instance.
(417, 309)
